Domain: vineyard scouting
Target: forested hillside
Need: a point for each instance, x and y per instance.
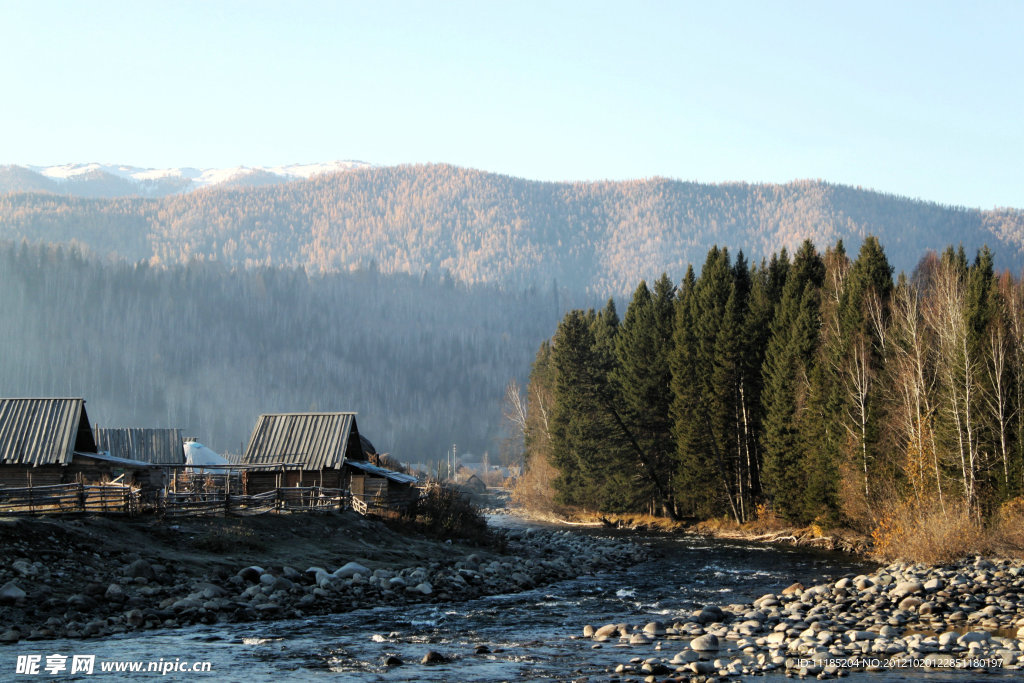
(424, 360)
(599, 237)
(815, 385)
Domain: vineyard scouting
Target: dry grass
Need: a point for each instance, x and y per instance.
(533, 490)
(631, 521)
(1008, 527)
(926, 532)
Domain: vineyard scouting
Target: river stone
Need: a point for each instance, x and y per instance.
(702, 668)
(685, 657)
(795, 588)
(24, 567)
(434, 657)
(115, 593)
(861, 635)
(606, 631)
(862, 582)
(588, 631)
(140, 568)
(11, 593)
(974, 637)
(905, 588)
(705, 643)
(251, 573)
(350, 570)
(640, 639)
(910, 602)
(655, 628)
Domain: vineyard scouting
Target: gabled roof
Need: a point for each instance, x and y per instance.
(314, 440)
(164, 446)
(43, 431)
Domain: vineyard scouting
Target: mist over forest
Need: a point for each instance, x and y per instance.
(423, 360)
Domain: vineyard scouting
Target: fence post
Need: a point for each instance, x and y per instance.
(227, 503)
(81, 495)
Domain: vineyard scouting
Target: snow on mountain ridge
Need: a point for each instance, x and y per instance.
(192, 178)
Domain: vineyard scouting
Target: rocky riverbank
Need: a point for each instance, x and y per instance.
(904, 618)
(96, 577)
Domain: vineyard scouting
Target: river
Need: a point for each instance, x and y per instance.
(533, 635)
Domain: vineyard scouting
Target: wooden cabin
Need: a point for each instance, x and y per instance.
(380, 489)
(321, 449)
(47, 441)
(301, 449)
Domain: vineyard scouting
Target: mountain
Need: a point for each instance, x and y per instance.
(114, 180)
(595, 237)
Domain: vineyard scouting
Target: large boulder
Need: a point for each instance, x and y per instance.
(705, 643)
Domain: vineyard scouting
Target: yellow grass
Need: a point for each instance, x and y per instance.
(930, 533)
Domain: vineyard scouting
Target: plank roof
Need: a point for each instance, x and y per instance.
(163, 446)
(376, 471)
(316, 441)
(43, 431)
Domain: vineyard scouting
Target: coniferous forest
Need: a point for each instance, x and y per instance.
(815, 384)
(206, 348)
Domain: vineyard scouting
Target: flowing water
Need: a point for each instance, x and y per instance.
(533, 635)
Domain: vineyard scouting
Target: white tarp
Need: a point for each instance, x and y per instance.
(198, 454)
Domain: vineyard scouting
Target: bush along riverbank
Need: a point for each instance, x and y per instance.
(92, 578)
(966, 615)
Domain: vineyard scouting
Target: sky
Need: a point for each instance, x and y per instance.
(918, 99)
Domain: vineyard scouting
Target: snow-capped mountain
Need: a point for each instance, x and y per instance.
(118, 180)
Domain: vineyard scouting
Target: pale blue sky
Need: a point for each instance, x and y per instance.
(922, 99)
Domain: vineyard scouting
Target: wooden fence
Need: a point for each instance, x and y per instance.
(291, 499)
(71, 498)
(124, 499)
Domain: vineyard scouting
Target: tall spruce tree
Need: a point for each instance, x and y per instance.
(787, 362)
(583, 442)
(695, 484)
(642, 380)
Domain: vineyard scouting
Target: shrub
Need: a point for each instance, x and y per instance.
(925, 532)
(444, 512)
